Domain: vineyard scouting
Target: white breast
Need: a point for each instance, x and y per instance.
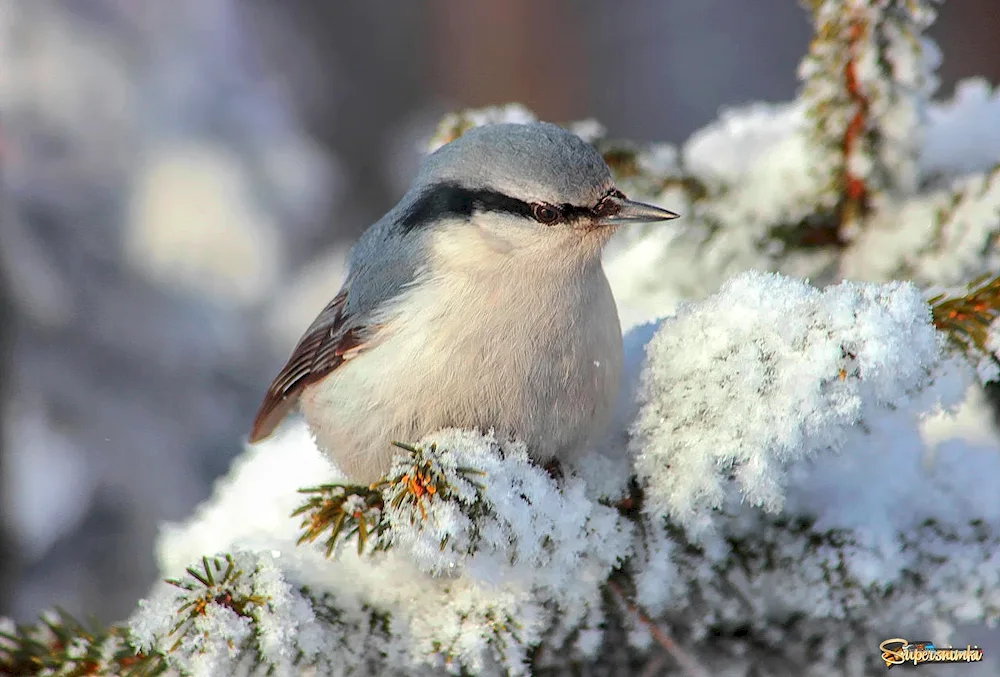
(516, 353)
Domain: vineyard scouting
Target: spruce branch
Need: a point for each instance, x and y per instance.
(864, 85)
(341, 509)
(346, 510)
(61, 646)
(966, 319)
(240, 610)
(215, 583)
(775, 571)
(966, 221)
(854, 199)
(420, 479)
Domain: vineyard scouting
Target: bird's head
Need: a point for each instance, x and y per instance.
(532, 189)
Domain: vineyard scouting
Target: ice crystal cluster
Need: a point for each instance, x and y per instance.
(802, 464)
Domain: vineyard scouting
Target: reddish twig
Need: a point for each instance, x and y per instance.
(855, 190)
(654, 666)
(688, 663)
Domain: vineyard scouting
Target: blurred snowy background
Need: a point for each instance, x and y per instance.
(181, 181)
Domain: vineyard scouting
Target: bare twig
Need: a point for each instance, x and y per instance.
(654, 666)
(688, 663)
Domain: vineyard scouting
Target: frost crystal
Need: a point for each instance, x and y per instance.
(767, 371)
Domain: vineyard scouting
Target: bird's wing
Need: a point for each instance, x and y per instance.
(331, 340)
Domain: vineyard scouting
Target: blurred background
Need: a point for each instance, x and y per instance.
(180, 183)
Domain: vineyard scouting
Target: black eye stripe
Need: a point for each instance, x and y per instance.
(571, 212)
(445, 200)
(452, 200)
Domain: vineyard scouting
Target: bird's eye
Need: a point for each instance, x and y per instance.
(544, 213)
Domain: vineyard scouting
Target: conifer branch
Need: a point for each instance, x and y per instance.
(862, 102)
(214, 583)
(967, 213)
(966, 319)
(346, 510)
(341, 509)
(851, 29)
(61, 646)
(420, 480)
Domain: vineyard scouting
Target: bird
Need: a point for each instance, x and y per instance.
(478, 302)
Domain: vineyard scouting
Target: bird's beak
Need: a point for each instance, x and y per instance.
(629, 211)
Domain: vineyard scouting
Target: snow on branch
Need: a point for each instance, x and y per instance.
(866, 81)
(239, 611)
(61, 645)
(970, 322)
(762, 588)
(765, 372)
(473, 574)
(481, 556)
(944, 237)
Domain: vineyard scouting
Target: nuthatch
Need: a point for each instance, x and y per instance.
(477, 302)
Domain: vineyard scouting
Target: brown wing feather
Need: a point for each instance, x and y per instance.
(325, 346)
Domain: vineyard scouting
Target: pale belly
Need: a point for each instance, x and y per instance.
(547, 382)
